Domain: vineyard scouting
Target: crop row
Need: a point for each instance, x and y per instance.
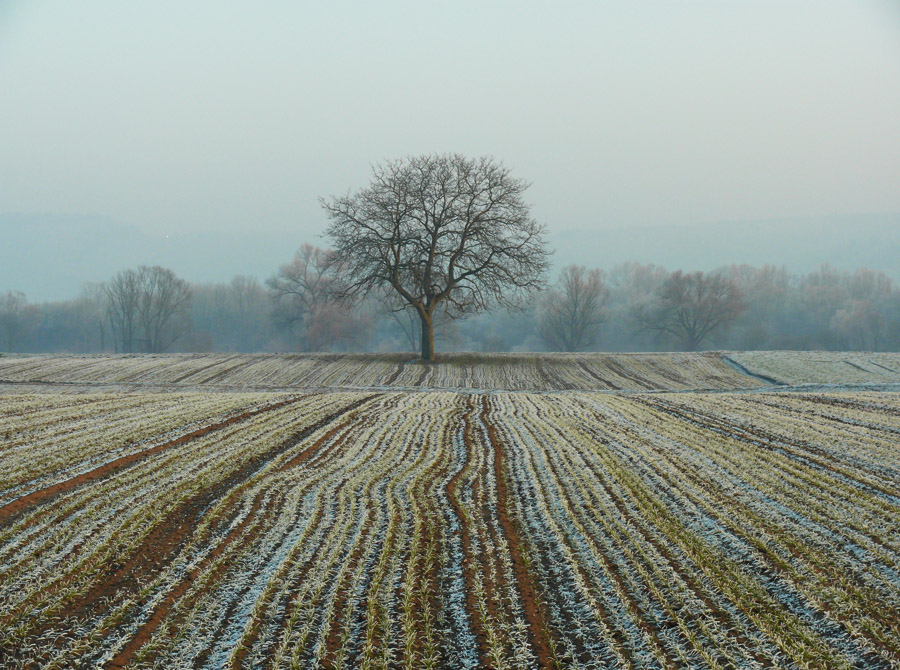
(454, 371)
(63, 436)
(822, 367)
(445, 530)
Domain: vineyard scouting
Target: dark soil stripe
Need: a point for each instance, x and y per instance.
(343, 615)
(20, 506)
(631, 376)
(202, 368)
(537, 625)
(605, 384)
(164, 542)
(453, 496)
(884, 367)
(249, 640)
(390, 380)
(144, 633)
(425, 370)
(222, 374)
(756, 375)
(161, 546)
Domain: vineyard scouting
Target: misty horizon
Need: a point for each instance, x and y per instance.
(450, 335)
(690, 137)
(52, 256)
(226, 119)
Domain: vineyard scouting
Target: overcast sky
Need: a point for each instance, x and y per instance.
(201, 115)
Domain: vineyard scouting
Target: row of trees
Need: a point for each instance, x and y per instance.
(138, 310)
(436, 238)
(631, 307)
(17, 319)
(142, 306)
(735, 307)
(684, 307)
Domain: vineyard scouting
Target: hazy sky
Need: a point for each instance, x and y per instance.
(202, 114)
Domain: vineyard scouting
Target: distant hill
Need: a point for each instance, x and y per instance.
(49, 256)
(845, 242)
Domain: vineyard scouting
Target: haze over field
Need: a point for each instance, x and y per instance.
(644, 128)
(52, 255)
(450, 335)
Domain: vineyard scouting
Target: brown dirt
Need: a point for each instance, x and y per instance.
(390, 380)
(302, 456)
(20, 506)
(605, 383)
(537, 624)
(167, 538)
(295, 581)
(125, 656)
(429, 574)
(333, 639)
(491, 566)
(179, 525)
(314, 448)
(202, 368)
(468, 561)
(431, 600)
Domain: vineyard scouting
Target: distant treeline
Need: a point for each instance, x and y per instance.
(632, 307)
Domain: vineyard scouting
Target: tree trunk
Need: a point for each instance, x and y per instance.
(427, 336)
(691, 343)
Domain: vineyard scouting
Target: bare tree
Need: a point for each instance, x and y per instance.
(861, 326)
(162, 298)
(574, 310)
(410, 325)
(305, 295)
(16, 318)
(142, 306)
(441, 231)
(121, 309)
(252, 313)
(691, 306)
(767, 291)
(245, 292)
(93, 296)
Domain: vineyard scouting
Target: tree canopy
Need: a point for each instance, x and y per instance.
(573, 310)
(690, 306)
(142, 306)
(442, 231)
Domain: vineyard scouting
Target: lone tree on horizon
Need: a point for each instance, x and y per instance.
(443, 232)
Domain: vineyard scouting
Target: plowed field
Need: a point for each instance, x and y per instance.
(407, 529)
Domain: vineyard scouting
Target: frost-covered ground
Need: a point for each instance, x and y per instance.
(383, 528)
(452, 371)
(822, 367)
